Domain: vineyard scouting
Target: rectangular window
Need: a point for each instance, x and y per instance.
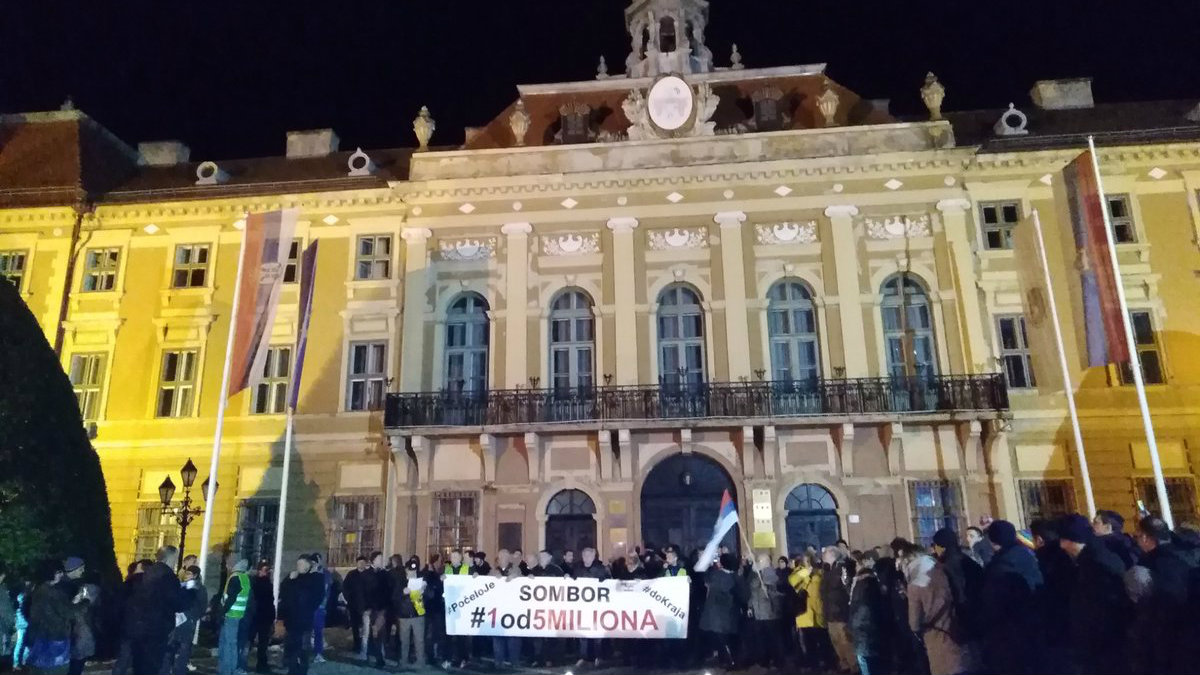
(1046, 499)
(1014, 351)
(87, 377)
(1147, 350)
(155, 529)
(354, 529)
(373, 259)
(367, 378)
(271, 394)
(12, 267)
(257, 520)
(176, 384)
(998, 220)
(291, 271)
(509, 536)
(1121, 218)
(191, 266)
(455, 522)
(1181, 494)
(936, 504)
(100, 269)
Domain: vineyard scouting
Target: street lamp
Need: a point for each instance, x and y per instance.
(185, 512)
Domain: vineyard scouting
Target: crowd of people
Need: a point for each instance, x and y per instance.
(1069, 595)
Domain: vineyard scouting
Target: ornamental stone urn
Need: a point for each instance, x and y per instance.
(518, 121)
(933, 93)
(424, 126)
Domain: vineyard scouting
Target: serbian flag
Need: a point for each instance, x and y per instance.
(308, 271)
(726, 519)
(1103, 324)
(267, 245)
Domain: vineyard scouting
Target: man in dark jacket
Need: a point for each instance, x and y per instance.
(356, 602)
(262, 588)
(589, 568)
(1109, 526)
(1011, 611)
(435, 606)
(408, 604)
(1099, 609)
(150, 612)
(868, 618)
(179, 646)
(1159, 618)
(1058, 575)
(966, 582)
(299, 598)
(835, 603)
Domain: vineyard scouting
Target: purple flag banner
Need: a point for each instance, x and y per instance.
(308, 273)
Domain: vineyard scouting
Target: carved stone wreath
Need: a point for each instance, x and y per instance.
(468, 249)
(787, 233)
(897, 227)
(571, 244)
(678, 238)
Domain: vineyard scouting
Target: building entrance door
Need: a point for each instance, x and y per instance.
(681, 498)
(570, 523)
(812, 518)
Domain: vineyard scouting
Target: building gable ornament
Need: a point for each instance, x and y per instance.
(787, 233)
(468, 249)
(898, 227)
(671, 109)
(571, 244)
(678, 238)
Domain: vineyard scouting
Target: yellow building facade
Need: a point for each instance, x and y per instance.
(617, 299)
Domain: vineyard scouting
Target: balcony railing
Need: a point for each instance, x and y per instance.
(737, 400)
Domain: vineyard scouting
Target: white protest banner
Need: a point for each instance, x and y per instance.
(558, 607)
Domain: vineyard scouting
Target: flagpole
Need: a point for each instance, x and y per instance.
(222, 403)
(1135, 364)
(1066, 370)
(283, 497)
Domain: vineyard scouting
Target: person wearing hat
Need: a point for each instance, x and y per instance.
(1099, 610)
(965, 577)
(237, 606)
(408, 603)
(299, 597)
(479, 564)
(1011, 612)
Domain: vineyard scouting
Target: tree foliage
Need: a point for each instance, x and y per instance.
(53, 500)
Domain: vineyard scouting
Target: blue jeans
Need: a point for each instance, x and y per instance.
(229, 647)
(319, 632)
(506, 650)
(869, 664)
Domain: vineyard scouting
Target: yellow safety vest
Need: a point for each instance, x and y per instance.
(462, 569)
(418, 601)
(238, 609)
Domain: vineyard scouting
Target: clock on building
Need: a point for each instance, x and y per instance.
(671, 103)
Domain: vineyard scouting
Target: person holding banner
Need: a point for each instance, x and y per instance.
(506, 650)
(459, 649)
(589, 568)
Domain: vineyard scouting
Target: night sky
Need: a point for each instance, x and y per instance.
(229, 78)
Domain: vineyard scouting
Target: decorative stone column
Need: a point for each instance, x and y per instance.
(970, 320)
(625, 299)
(416, 265)
(733, 267)
(516, 296)
(845, 255)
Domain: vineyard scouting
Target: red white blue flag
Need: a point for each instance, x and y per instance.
(1103, 324)
(264, 258)
(308, 272)
(726, 519)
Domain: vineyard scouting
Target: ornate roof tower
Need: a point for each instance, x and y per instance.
(668, 37)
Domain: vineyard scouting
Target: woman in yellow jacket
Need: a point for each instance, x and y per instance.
(810, 624)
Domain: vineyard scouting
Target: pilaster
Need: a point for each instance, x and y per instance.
(515, 322)
(954, 220)
(845, 254)
(625, 298)
(416, 264)
(734, 272)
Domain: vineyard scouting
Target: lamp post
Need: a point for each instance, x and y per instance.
(185, 512)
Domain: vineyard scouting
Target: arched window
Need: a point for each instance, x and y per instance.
(666, 35)
(572, 341)
(467, 344)
(570, 522)
(908, 328)
(680, 336)
(792, 327)
(811, 519)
